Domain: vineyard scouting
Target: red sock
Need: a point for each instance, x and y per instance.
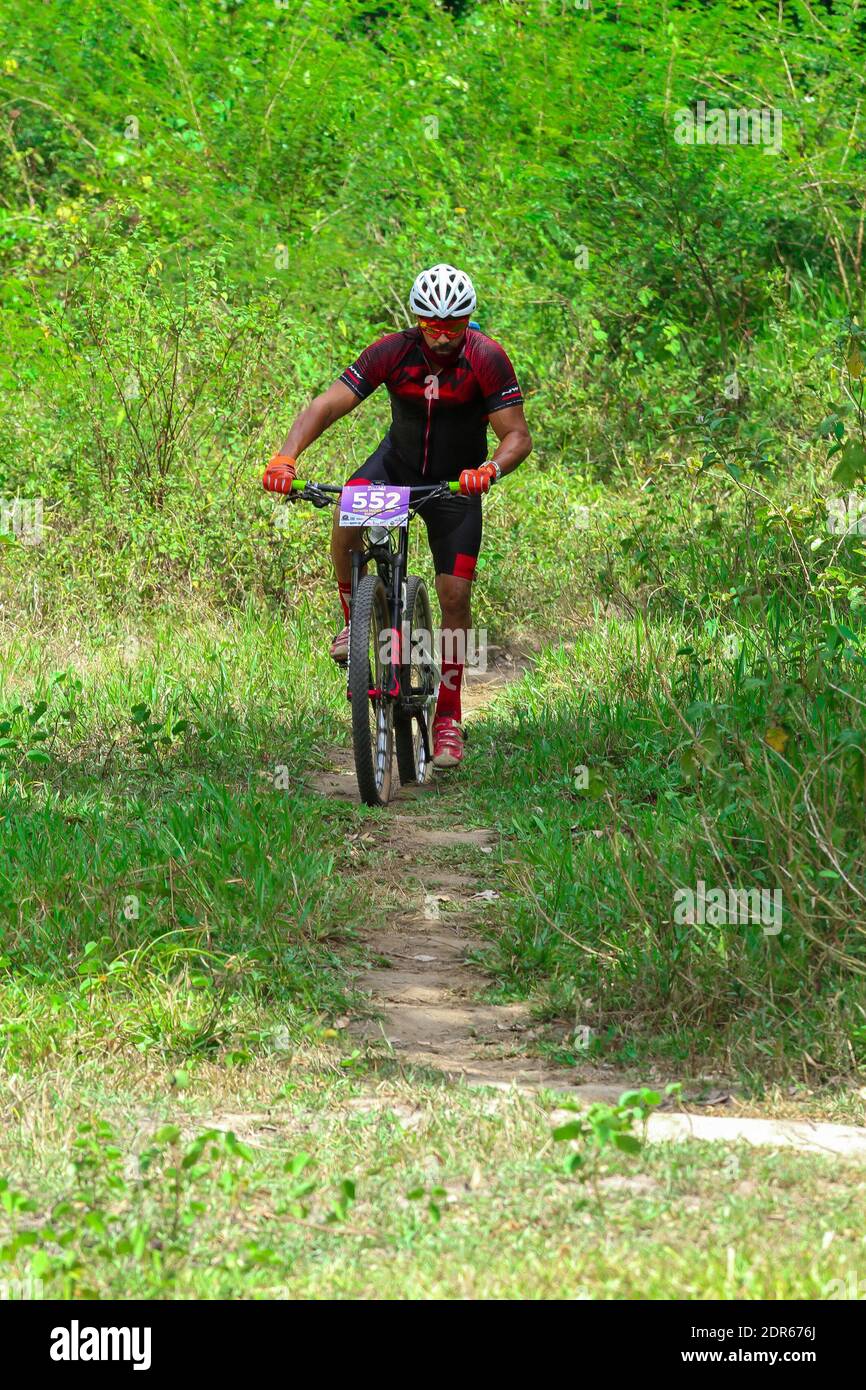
(345, 595)
(448, 702)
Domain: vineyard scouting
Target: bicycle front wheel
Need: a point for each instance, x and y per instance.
(414, 729)
(372, 713)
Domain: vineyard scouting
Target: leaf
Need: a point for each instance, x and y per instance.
(777, 737)
(169, 1134)
(37, 755)
(854, 361)
(710, 744)
(627, 1142)
(852, 464)
(573, 1130)
(689, 763)
(644, 1097)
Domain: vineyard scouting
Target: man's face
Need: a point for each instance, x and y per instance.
(443, 337)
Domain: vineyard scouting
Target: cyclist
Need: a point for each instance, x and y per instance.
(446, 381)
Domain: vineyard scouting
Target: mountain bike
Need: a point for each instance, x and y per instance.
(392, 676)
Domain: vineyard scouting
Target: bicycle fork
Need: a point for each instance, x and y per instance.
(391, 566)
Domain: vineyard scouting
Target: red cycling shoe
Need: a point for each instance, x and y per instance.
(340, 646)
(447, 741)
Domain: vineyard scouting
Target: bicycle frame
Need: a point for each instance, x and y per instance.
(392, 564)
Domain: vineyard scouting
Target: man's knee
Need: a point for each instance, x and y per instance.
(456, 617)
(453, 592)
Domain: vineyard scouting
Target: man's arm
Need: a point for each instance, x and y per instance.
(515, 441)
(331, 405)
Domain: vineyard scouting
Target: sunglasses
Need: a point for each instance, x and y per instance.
(449, 328)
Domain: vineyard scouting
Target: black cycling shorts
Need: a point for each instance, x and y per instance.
(453, 522)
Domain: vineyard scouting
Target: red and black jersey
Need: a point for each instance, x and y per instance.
(439, 409)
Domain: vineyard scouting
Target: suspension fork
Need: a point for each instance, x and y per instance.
(359, 560)
(398, 568)
(392, 570)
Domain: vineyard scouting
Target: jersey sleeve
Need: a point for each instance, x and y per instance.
(497, 378)
(372, 367)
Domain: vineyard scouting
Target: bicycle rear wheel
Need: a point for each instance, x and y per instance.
(372, 713)
(418, 682)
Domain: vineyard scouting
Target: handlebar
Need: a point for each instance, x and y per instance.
(328, 494)
(451, 485)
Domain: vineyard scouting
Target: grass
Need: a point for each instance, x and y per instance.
(180, 936)
(327, 1188)
(169, 879)
(580, 765)
(168, 861)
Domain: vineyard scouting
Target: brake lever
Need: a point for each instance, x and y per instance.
(312, 494)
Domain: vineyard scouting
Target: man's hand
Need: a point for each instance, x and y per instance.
(280, 473)
(476, 480)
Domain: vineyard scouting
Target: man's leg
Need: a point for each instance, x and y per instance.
(454, 532)
(454, 601)
(344, 539)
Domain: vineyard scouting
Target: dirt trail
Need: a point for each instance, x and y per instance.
(425, 996)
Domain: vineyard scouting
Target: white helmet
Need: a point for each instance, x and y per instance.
(442, 293)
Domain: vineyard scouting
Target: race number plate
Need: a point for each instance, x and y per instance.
(374, 504)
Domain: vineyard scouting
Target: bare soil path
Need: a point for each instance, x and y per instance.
(427, 1006)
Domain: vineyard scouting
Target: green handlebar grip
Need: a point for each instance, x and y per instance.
(454, 486)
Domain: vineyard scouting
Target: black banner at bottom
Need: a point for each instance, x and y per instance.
(63, 1339)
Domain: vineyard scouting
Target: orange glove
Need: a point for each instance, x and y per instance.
(280, 473)
(476, 480)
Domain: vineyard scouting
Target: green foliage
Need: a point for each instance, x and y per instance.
(204, 213)
(601, 1126)
(147, 1221)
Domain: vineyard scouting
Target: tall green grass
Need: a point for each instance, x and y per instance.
(163, 860)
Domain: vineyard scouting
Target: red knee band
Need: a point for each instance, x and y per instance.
(464, 566)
